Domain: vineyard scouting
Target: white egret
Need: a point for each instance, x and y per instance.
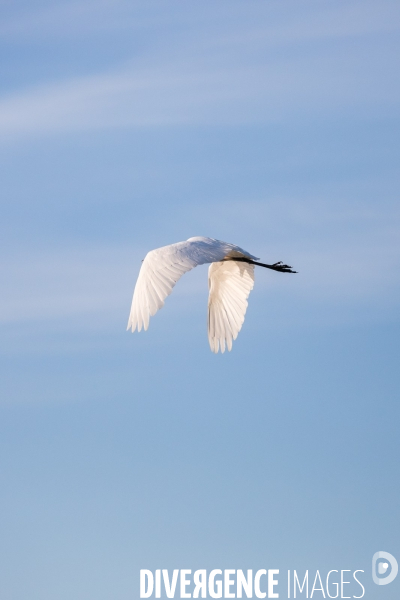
(230, 281)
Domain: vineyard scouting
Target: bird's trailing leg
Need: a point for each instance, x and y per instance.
(278, 266)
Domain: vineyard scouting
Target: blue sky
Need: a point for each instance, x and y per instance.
(125, 126)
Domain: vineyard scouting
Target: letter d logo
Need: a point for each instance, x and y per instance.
(381, 568)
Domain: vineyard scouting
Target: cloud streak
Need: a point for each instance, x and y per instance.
(156, 98)
(189, 80)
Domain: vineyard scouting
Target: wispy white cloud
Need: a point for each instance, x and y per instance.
(233, 20)
(221, 78)
(175, 96)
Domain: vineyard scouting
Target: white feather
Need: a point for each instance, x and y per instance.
(230, 283)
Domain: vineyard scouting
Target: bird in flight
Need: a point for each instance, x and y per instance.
(230, 281)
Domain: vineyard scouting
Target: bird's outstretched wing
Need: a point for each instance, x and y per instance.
(162, 268)
(230, 284)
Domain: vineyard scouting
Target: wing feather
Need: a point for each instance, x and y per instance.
(163, 267)
(230, 284)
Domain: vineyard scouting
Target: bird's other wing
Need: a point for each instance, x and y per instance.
(230, 284)
(162, 268)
